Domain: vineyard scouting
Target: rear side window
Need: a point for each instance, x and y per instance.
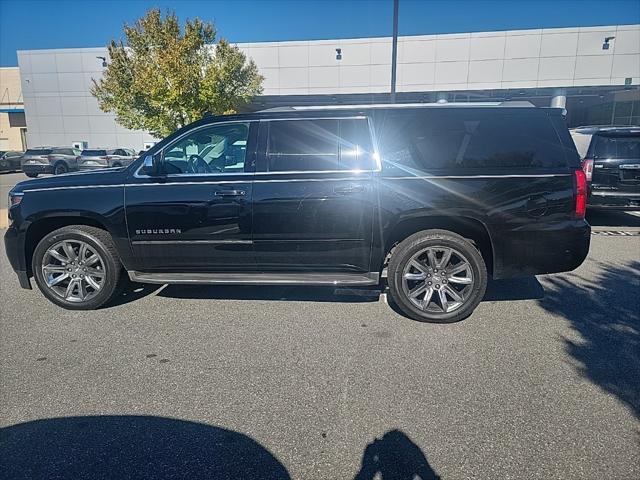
(627, 147)
(432, 140)
(94, 153)
(319, 145)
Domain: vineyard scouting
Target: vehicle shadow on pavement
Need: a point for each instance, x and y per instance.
(612, 218)
(497, 290)
(394, 457)
(272, 292)
(132, 447)
(605, 312)
(149, 447)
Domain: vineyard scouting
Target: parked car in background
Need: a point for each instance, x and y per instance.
(10, 160)
(438, 196)
(35, 161)
(93, 158)
(49, 160)
(611, 162)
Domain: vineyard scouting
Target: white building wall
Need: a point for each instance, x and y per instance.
(60, 109)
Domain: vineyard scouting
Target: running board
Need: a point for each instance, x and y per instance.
(371, 278)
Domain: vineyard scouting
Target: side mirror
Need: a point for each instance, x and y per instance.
(151, 164)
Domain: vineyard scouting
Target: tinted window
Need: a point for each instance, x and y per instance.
(38, 151)
(468, 138)
(616, 147)
(318, 145)
(216, 149)
(94, 153)
(65, 151)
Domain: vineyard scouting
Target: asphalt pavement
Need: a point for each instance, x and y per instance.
(541, 382)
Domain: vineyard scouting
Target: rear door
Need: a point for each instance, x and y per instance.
(314, 195)
(616, 157)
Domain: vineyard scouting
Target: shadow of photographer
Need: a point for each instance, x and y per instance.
(149, 447)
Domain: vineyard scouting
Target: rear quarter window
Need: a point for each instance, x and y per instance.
(468, 139)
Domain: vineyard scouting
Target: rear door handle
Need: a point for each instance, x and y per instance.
(229, 193)
(347, 189)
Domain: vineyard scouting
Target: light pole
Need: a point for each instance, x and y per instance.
(394, 51)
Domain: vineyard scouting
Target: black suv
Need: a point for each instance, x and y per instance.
(440, 195)
(611, 162)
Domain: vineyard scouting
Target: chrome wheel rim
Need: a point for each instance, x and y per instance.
(438, 279)
(73, 270)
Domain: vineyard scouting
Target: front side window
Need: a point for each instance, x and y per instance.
(216, 149)
(319, 145)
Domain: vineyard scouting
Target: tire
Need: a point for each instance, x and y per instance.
(31, 175)
(107, 270)
(411, 269)
(60, 168)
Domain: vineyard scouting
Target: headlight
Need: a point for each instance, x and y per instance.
(15, 199)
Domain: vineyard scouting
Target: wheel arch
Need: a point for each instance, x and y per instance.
(468, 227)
(41, 227)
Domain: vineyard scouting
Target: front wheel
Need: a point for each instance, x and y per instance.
(77, 267)
(437, 276)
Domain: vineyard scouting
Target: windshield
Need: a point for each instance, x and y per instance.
(617, 147)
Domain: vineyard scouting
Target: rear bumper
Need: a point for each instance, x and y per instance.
(37, 168)
(614, 200)
(538, 249)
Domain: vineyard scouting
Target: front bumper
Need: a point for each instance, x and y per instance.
(38, 168)
(14, 248)
(614, 200)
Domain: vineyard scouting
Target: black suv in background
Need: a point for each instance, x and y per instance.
(10, 160)
(440, 195)
(611, 162)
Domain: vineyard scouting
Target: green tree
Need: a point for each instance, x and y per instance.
(164, 77)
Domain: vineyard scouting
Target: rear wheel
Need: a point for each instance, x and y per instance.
(60, 168)
(77, 267)
(437, 276)
(31, 175)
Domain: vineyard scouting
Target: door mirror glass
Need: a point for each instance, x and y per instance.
(150, 164)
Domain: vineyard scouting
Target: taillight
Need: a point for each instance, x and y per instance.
(587, 168)
(581, 193)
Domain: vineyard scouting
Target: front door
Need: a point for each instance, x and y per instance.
(313, 197)
(196, 214)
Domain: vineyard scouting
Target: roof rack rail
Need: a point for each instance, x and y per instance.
(293, 108)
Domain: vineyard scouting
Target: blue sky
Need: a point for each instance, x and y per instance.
(36, 24)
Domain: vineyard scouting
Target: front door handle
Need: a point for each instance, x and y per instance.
(229, 193)
(347, 189)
